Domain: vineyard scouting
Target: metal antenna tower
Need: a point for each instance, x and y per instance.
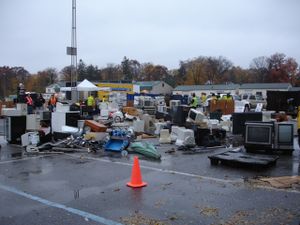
(72, 51)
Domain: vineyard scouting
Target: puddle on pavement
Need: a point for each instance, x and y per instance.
(76, 194)
(85, 192)
(5, 155)
(16, 155)
(296, 168)
(27, 173)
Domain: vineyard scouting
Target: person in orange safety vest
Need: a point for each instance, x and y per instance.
(29, 103)
(52, 103)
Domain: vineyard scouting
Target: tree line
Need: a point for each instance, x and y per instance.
(200, 70)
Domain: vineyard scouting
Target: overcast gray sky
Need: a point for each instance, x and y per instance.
(35, 33)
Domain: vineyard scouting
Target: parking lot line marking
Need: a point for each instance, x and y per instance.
(164, 170)
(236, 181)
(23, 159)
(60, 206)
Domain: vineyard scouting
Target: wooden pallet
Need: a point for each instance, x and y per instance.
(271, 151)
(234, 158)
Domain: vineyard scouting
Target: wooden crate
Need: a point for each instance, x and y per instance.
(95, 126)
(131, 111)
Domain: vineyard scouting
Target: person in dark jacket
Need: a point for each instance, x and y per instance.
(39, 103)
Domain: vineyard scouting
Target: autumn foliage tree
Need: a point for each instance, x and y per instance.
(281, 68)
(10, 77)
(199, 70)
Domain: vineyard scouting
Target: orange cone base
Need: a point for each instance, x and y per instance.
(143, 184)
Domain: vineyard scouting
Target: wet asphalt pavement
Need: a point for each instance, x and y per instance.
(88, 188)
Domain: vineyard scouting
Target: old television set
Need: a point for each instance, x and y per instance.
(284, 136)
(195, 116)
(146, 101)
(259, 135)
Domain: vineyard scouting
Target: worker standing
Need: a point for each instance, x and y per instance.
(203, 98)
(228, 97)
(91, 104)
(29, 103)
(204, 102)
(52, 103)
(213, 99)
(194, 102)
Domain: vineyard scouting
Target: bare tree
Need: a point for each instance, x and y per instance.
(197, 71)
(259, 68)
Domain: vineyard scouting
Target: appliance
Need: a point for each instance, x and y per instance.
(32, 122)
(195, 116)
(146, 101)
(22, 107)
(208, 137)
(259, 135)
(15, 126)
(62, 107)
(239, 120)
(174, 103)
(162, 108)
(45, 115)
(179, 116)
(59, 119)
(185, 137)
(284, 136)
(12, 112)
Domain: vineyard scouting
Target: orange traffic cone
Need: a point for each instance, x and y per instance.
(136, 176)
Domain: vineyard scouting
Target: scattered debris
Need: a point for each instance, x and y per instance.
(140, 219)
(144, 148)
(207, 211)
(276, 182)
(172, 150)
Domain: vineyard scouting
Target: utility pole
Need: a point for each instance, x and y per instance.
(72, 51)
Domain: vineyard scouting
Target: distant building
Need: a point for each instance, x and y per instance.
(253, 88)
(262, 88)
(51, 89)
(154, 87)
(208, 89)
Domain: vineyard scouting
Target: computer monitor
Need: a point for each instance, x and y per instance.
(195, 116)
(284, 135)
(258, 135)
(144, 102)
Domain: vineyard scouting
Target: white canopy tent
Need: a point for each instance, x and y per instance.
(86, 85)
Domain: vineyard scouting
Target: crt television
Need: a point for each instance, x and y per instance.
(284, 136)
(144, 102)
(195, 116)
(259, 135)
